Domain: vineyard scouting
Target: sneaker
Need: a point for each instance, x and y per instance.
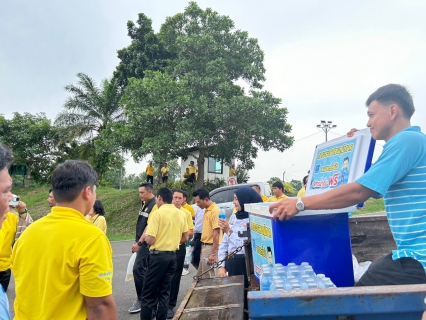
(136, 307)
(170, 314)
(185, 272)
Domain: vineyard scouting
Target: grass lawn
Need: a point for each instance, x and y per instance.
(122, 208)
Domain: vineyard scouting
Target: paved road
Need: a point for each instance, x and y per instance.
(124, 292)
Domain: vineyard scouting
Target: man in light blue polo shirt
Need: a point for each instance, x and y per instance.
(399, 175)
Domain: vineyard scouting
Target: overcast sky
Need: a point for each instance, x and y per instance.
(323, 58)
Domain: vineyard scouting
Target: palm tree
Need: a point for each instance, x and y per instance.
(88, 112)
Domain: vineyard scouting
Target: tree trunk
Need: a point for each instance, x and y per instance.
(200, 165)
(27, 177)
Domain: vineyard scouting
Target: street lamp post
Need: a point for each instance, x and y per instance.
(326, 126)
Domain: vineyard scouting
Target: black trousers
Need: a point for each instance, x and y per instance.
(5, 278)
(150, 179)
(174, 289)
(165, 179)
(385, 271)
(156, 289)
(140, 267)
(191, 177)
(196, 253)
(235, 267)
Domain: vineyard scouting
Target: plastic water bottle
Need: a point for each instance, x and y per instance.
(296, 286)
(222, 214)
(265, 280)
(279, 287)
(309, 271)
(312, 285)
(287, 285)
(274, 284)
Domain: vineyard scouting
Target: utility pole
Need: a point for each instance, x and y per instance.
(326, 126)
(283, 175)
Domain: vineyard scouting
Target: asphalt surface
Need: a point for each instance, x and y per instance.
(124, 292)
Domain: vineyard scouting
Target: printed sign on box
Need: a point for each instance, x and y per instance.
(333, 165)
(262, 242)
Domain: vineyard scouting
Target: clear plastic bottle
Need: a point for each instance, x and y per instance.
(288, 285)
(312, 285)
(265, 280)
(275, 283)
(296, 286)
(279, 287)
(309, 271)
(319, 282)
(281, 273)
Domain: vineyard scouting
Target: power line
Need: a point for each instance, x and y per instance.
(307, 136)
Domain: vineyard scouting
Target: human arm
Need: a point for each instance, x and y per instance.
(102, 308)
(184, 238)
(21, 208)
(341, 197)
(223, 251)
(150, 240)
(215, 247)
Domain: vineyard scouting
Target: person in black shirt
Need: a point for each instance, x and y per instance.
(142, 248)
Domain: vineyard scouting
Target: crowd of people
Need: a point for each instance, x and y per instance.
(62, 263)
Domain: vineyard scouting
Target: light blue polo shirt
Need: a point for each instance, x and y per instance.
(4, 305)
(399, 175)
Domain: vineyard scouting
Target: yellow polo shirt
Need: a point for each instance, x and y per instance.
(166, 224)
(10, 225)
(98, 221)
(150, 170)
(275, 199)
(165, 171)
(190, 209)
(188, 218)
(57, 261)
(192, 169)
(210, 222)
(264, 198)
(232, 172)
(302, 192)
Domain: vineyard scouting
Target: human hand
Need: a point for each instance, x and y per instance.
(135, 248)
(21, 206)
(212, 259)
(285, 209)
(221, 272)
(350, 134)
(224, 225)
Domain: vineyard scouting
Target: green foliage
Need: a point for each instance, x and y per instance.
(288, 187)
(371, 205)
(296, 184)
(242, 174)
(273, 179)
(33, 141)
(87, 114)
(194, 101)
(214, 183)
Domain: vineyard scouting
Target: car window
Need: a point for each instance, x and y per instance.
(223, 196)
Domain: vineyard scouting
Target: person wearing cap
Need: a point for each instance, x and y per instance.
(6, 158)
(17, 220)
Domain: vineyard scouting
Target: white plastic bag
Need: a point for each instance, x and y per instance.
(188, 255)
(359, 269)
(129, 273)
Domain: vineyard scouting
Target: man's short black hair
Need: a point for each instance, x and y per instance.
(185, 194)
(148, 186)
(50, 190)
(279, 185)
(98, 207)
(394, 93)
(70, 178)
(201, 193)
(305, 180)
(6, 157)
(179, 191)
(166, 194)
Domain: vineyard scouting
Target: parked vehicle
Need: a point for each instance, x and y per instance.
(224, 196)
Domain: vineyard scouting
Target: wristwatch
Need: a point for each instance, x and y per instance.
(139, 243)
(300, 205)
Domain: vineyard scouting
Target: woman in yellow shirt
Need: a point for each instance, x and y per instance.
(97, 216)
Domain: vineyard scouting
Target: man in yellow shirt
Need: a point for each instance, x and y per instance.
(165, 173)
(186, 205)
(178, 200)
(278, 191)
(167, 229)
(210, 232)
(302, 191)
(6, 158)
(192, 171)
(62, 264)
(150, 173)
(232, 172)
(256, 188)
(51, 199)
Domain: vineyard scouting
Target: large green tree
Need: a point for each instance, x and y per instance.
(87, 113)
(195, 101)
(33, 141)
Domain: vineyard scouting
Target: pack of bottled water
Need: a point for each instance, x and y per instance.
(292, 277)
